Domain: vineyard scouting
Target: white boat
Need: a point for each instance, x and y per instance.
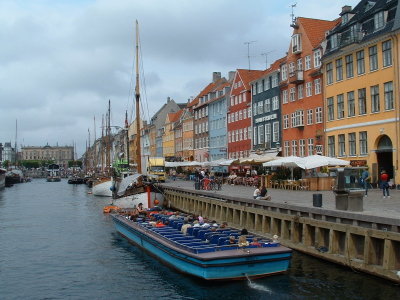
(2, 178)
(53, 173)
(102, 187)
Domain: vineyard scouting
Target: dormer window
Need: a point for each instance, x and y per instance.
(369, 5)
(334, 41)
(345, 19)
(296, 44)
(379, 20)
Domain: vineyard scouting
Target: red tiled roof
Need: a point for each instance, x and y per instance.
(248, 75)
(173, 117)
(211, 87)
(274, 66)
(315, 29)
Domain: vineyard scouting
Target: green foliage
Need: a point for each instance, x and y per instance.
(29, 164)
(6, 163)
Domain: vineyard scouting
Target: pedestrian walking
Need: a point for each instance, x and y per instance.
(385, 184)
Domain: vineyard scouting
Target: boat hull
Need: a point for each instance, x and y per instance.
(134, 200)
(102, 189)
(235, 265)
(53, 179)
(2, 180)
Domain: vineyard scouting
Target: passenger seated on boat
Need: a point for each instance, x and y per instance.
(232, 240)
(159, 224)
(255, 242)
(223, 225)
(242, 242)
(174, 216)
(185, 226)
(244, 232)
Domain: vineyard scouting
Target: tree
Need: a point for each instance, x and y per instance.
(6, 163)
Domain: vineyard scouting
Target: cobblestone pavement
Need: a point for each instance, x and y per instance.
(374, 204)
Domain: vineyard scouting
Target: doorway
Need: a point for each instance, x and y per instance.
(384, 155)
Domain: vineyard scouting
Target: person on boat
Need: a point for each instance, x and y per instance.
(242, 242)
(244, 232)
(159, 224)
(223, 225)
(185, 226)
(140, 211)
(255, 242)
(232, 240)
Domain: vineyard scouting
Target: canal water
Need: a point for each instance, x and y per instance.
(55, 243)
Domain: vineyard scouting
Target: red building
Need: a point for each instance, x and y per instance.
(301, 89)
(239, 114)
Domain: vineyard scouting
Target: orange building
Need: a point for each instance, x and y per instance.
(301, 88)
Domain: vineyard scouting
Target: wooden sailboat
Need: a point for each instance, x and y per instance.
(135, 189)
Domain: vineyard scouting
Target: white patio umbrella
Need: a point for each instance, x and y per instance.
(315, 161)
(286, 161)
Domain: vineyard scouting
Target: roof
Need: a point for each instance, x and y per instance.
(248, 75)
(173, 117)
(211, 87)
(273, 68)
(315, 29)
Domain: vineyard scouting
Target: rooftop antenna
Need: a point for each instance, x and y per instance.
(248, 50)
(266, 57)
(292, 15)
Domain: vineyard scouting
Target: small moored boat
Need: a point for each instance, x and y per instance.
(53, 173)
(203, 253)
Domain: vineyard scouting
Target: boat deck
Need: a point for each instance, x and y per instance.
(203, 243)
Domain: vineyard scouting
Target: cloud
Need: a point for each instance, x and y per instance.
(61, 61)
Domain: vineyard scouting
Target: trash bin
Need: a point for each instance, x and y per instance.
(356, 199)
(317, 200)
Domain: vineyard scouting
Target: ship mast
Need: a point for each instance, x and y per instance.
(108, 133)
(137, 96)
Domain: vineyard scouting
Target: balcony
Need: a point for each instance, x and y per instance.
(296, 77)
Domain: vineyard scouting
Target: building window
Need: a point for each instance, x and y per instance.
(291, 69)
(349, 66)
(340, 106)
(379, 21)
(362, 102)
(296, 43)
(300, 90)
(310, 113)
(275, 131)
(284, 97)
(387, 53)
(317, 58)
(286, 148)
(389, 95)
(331, 146)
(341, 145)
(268, 134)
(307, 61)
(351, 106)
(302, 148)
(373, 58)
(294, 148)
(260, 107)
(331, 109)
(317, 83)
(255, 109)
(245, 133)
(375, 107)
(261, 135)
(284, 72)
(352, 144)
(245, 113)
(329, 73)
(275, 103)
(318, 115)
(360, 62)
(267, 105)
(363, 143)
(286, 121)
(309, 89)
(339, 69)
(293, 118)
(229, 137)
(299, 64)
(310, 146)
(292, 95)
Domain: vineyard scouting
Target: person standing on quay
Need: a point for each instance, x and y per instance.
(385, 184)
(365, 180)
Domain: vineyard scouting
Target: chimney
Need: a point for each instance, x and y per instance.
(168, 99)
(231, 75)
(345, 9)
(216, 76)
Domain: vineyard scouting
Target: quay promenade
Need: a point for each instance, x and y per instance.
(367, 241)
(374, 204)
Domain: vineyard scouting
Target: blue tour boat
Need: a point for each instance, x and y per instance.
(204, 253)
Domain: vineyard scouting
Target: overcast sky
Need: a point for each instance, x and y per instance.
(60, 61)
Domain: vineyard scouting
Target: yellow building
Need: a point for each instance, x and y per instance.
(168, 139)
(361, 79)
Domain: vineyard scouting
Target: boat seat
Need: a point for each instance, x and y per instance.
(179, 227)
(195, 231)
(202, 233)
(189, 231)
(215, 238)
(221, 240)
